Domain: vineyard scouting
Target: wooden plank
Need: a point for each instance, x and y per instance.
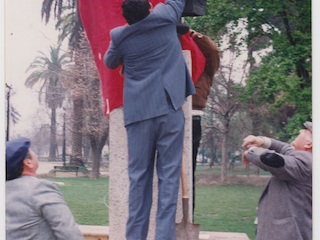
(102, 233)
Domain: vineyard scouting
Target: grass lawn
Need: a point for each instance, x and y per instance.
(227, 208)
(218, 208)
(86, 199)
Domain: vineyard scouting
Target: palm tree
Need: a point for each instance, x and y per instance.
(49, 72)
(69, 22)
(12, 114)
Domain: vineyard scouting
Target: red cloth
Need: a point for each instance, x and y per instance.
(98, 18)
(197, 57)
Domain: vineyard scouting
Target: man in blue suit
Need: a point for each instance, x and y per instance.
(156, 84)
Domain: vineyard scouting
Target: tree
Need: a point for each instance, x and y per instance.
(95, 127)
(224, 104)
(210, 138)
(280, 32)
(284, 75)
(49, 71)
(12, 114)
(71, 27)
(277, 38)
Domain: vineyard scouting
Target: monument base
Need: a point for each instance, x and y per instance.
(102, 233)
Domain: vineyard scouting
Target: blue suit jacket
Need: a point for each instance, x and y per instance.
(153, 61)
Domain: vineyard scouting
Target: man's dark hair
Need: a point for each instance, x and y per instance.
(135, 10)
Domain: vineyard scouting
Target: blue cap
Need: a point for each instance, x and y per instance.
(16, 150)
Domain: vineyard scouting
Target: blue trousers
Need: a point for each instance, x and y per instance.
(154, 141)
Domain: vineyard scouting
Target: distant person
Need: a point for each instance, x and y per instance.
(285, 207)
(203, 85)
(35, 208)
(156, 84)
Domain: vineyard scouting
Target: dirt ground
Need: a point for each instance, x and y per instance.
(206, 179)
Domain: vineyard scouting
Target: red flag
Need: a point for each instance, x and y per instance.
(98, 18)
(197, 57)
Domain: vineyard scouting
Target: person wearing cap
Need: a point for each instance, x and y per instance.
(285, 207)
(35, 208)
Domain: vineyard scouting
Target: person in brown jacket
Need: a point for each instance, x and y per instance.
(202, 85)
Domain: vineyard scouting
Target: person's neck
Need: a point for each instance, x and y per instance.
(28, 173)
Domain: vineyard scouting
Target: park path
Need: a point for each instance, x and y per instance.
(45, 167)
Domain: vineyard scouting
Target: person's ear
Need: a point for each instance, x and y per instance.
(151, 6)
(308, 144)
(27, 162)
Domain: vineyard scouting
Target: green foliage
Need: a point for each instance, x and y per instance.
(274, 86)
(49, 71)
(278, 89)
(283, 79)
(67, 17)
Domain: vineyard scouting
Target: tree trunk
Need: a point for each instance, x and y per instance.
(96, 159)
(224, 157)
(53, 136)
(96, 150)
(77, 127)
(212, 156)
(86, 150)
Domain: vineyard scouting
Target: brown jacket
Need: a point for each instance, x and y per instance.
(203, 84)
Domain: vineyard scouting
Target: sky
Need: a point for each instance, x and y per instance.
(25, 35)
